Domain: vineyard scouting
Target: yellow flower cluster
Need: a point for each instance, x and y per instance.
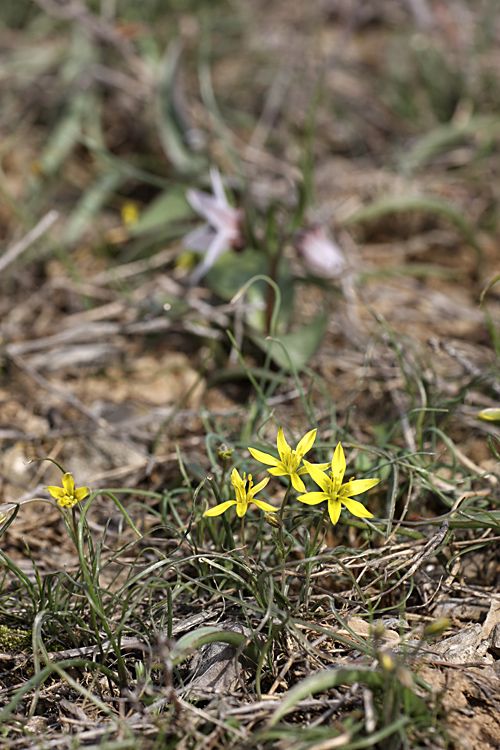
(291, 464)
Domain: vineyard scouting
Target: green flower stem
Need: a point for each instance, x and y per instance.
(281, 548)
(281, 542)
(313, 552)
(245, 551)
(70, 522)
(316, 533)
(285, 500)
(74, 525)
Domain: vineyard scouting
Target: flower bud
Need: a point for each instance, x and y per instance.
(225, 452)
(437, 627)
(130, 213)
(386, 661)
(379, 631)
(273, 520)
(489, 415)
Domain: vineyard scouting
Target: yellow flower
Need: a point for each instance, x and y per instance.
(67, 495)
(288, 464)
(245, 494)
(130, 213)
(334, 491)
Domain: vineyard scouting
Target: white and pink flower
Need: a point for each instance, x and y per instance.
(222, 230)
(322, 256)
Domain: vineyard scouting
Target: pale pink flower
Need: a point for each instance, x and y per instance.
(322, 256)
(222, 231)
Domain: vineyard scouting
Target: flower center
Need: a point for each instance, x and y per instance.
(335, 486)
(67, 501)
(292, 462)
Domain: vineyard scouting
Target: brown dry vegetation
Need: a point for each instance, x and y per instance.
(119, 370)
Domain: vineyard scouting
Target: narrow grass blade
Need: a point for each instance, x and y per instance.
(423, 203)
(448, 136)
(198, 638)
(326, 680)
(90, 204)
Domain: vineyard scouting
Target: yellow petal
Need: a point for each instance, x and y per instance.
(81, 493)
(356, 487)
(259, 487)
(319, 477)
(236, 480)
(334, 508)
(321, 467)
(68, 484)
(357, 509)
(219, 509)
(56, 492)
(283, 448)
(264, 506)
(313, 498)
(338, 463)
(306, 443)
(239, 486)
(297, 483)
(264, 458)
(241, 508)
(279, 471)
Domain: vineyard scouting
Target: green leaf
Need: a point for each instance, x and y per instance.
(233, 270)
(171, 205)
(294, 350)
(67, 132)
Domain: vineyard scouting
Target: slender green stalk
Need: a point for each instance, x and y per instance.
(316, 533)
(245, 551)
(73, 524)
(314, 551)
(285, 500)
(281, 542)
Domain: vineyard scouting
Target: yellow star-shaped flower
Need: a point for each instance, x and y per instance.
(245, 494)
(67, 496)
(334, 491)
(288, 464)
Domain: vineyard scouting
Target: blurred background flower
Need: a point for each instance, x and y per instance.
(222, 230)
(322, 256)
